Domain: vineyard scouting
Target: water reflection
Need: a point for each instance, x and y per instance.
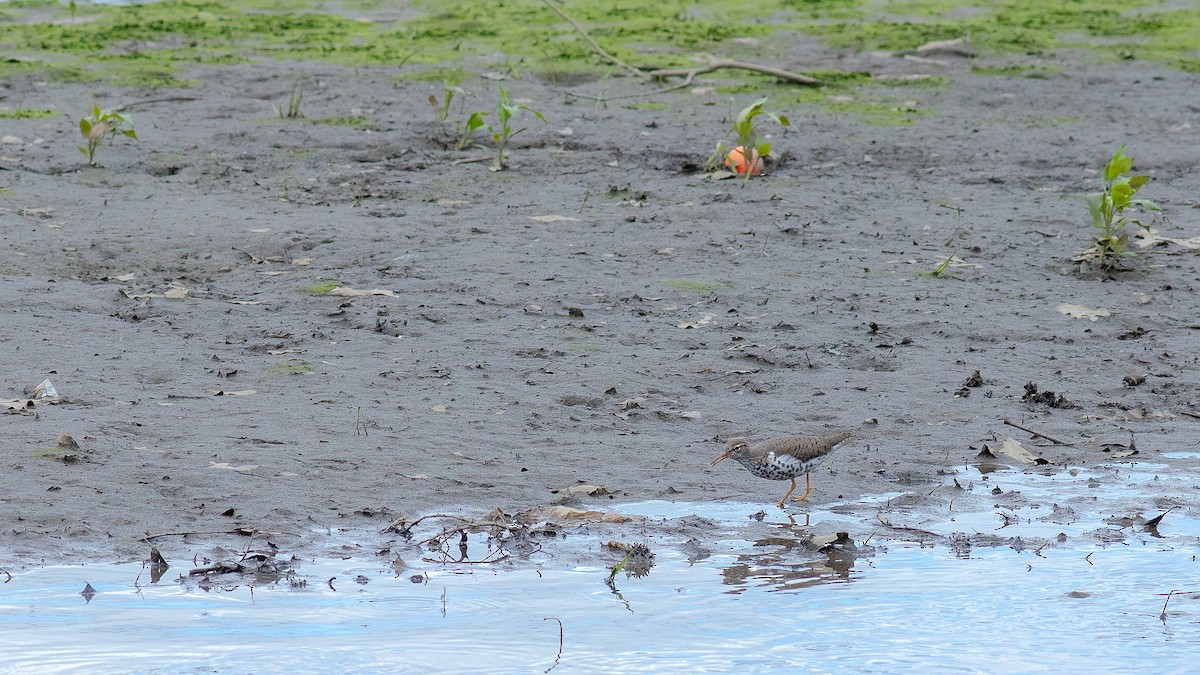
(793, 559)
(701, 606)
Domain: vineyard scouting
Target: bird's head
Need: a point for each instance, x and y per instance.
(735, 448)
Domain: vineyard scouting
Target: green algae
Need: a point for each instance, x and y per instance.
(1016, 70)
(1110, 28)
(293, 367)
(320, 288)
(28, 114)
(153, 44)
(858, 94)
(586, 347)
(344, 121)
(188, 31)
(54, 453)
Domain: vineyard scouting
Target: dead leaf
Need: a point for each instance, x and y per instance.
(416, 476)
(567, 514)
(552, 218)
(631, 403)
(1013, 448)
(18, 403)
(244, 468)
(958, 47)
(347, 292)
(1081, 312)
(691, 415)
(126, 277)
(955, 261)
(589, 490)
(440, 408)
(172, 293)
(240, 392)
(1145, 239)
(246, 302)
(302, 261)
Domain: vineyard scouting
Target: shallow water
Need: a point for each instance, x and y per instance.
(767, 605)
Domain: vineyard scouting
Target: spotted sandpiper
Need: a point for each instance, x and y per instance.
(786, 457)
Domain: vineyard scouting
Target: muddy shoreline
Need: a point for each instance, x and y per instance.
(600, 313)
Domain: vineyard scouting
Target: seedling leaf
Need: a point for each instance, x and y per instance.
(1118, 165)
(748, 137)
(1107, 207)
(1095, 202)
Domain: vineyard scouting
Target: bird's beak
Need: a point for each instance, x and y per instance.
(722, 456)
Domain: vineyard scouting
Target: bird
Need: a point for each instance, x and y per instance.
(785, 457)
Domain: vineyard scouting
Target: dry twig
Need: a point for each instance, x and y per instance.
(165, 99)
(1036, 434)
(391, 527)
(688, 74)
(560, 641)
(633, 70)
(717, 64)
(185, 533)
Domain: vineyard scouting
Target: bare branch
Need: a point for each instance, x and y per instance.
(633, 70)
(1036, 434)
(718, 64)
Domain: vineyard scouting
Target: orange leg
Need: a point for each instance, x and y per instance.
(789, 494)
(807, 489)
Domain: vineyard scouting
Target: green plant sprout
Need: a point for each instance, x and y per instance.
(942, 267)
(1107, 208)
(100, 123)
(749, 138)
(503, 132)
(450, 89)
(293, 104)
(443, 109)
(475, 121)
(618, 567)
